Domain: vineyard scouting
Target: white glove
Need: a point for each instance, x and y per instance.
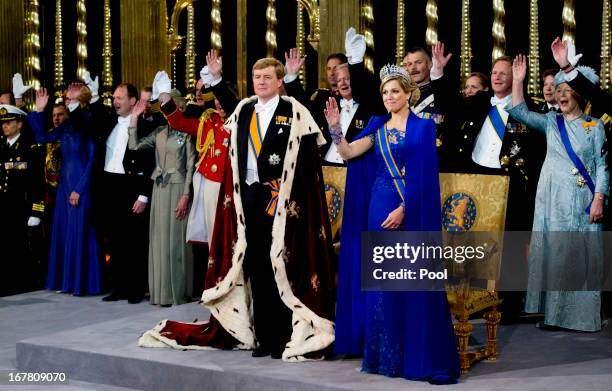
(572, 57)
(354, 45)
(206, 77)
(33, 221)
(18, 88)
(93, 85)
(161, 83)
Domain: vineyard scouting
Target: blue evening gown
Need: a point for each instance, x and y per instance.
(74, 258)
(399, 334)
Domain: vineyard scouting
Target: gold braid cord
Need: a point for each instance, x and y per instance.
(107, 54)
(466, 40)
(81, 29)
(499, 35)
(190, 55)
(32, 47)
(300, 39)
(367, 29)
(569, 21)
(605, 45)
(400, 38)
(271, 45)
(58, 66)
(533, 85)
(215, 17)
(431, 12)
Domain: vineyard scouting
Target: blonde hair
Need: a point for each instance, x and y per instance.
(409, 87)
(266, 62)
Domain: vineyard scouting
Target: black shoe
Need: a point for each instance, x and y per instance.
(260, 352)
(135, 299)
(543, 326)
(276, 355)
(113, 297)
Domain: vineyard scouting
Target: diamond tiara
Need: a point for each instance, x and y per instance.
(392, 70)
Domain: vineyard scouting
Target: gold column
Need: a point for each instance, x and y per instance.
(12, 17)
(271, 45)
(466, 41)
(215, 17)
(144, 51)
(533, 86)
(569, 21)
(431, 12)
(300, 40)
(58, 68)
(367, 29)
(107, 54)
(190, 55)
(175, 41)
(400, 39)
(241, 53)
(605, 45)
(335, 16)
(81, 29)
(32, 46)
(499, 35)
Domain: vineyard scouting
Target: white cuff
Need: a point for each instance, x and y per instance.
(434, 75)
(143, 199)
(289, 78)
(215, 82)
(570, 76)
(355, 60)
(94, 98)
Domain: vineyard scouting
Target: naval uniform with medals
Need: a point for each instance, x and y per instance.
(21, 197)
(434, 104)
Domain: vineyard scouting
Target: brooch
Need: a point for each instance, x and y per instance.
(274, 159)
(515, 150)
(283, 120)
(180, 138)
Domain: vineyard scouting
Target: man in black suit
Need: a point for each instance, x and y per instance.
(436, 93)
(486, 140)
(261, 130)
(123, 189)
(21, 201)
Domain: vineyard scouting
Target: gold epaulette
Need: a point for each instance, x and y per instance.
(209, 141)
(208, 96)
(605, 118)
(155, 106)
(38, 207)
(314, 94)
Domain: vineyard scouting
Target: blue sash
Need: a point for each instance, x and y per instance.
(385, 151)
(574, 158)
(497, 121)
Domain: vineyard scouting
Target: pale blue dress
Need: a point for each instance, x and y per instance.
(555, 255)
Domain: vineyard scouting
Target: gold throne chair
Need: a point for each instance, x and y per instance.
(474, 203)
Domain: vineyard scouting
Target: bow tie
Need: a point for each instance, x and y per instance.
(497, 101)
(553, 108)
(124, 121)
(344, 104)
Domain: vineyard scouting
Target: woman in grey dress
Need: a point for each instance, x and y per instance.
(170, 257)
(566, 249)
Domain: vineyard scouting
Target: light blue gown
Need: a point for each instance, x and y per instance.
(560, 207)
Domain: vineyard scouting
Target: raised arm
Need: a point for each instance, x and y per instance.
(519, 110)
(37, 120)
(347, 151)
(134, 143)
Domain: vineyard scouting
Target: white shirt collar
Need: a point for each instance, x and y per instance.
(13, 140)
(550, 106)
(269, 105)
(124, 121)
(501, 101)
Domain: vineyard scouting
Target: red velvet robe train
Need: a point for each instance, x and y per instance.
(301, 256)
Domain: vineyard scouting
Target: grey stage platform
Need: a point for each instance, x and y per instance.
(95, 343)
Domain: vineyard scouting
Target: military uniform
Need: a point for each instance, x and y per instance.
(21, 197)
(434, 104)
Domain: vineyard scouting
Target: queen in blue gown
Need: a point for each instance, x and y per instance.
(399, 334)
(74, 259)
